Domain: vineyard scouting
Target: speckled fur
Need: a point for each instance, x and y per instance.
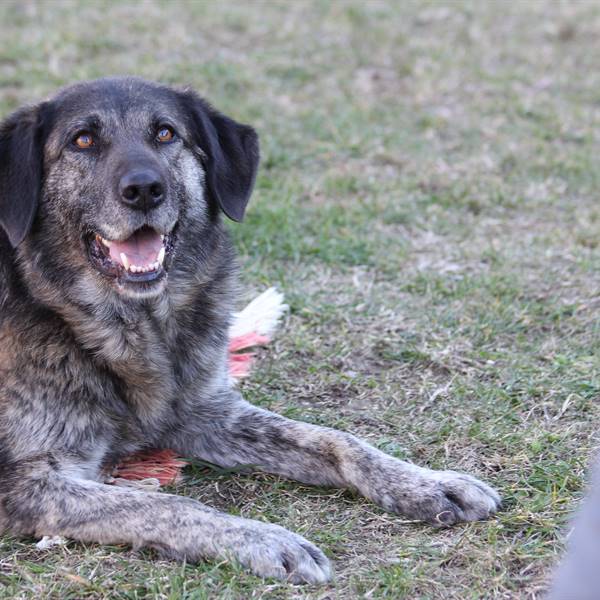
(90, 372)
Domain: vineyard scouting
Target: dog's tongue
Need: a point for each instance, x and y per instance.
(141, 248)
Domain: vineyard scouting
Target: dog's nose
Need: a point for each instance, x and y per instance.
(142, 189)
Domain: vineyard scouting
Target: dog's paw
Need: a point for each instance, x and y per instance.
(442, 498)
(461, 498)
(272, 551)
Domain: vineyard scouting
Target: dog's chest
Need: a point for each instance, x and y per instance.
(137, 352)
(156, 361)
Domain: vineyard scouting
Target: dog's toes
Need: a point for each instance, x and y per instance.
(309, 565)
(438, 497)
(281, 554)
(476, 499)
(460, 497)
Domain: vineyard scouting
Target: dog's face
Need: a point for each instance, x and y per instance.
(104, 182)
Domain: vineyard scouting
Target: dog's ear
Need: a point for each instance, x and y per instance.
(230, 155)
(21, 169)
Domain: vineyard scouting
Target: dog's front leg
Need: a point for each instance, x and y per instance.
(231, 432)
(39, 499)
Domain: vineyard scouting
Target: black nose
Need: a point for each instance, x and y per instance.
(142, 189)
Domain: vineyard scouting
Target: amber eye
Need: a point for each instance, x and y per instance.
(84, 140)
(165, 134)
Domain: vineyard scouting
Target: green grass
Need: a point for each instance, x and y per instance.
(428, 203)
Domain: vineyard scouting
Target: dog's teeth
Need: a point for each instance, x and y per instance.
(161, 256)
(139, 268)
(102, 241)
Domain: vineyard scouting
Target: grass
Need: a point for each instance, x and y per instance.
(428, 203)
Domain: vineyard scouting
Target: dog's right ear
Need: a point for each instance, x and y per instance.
(21, 170)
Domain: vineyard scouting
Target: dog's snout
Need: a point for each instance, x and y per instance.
(142, 189)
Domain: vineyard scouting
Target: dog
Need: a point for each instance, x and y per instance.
(117, 284)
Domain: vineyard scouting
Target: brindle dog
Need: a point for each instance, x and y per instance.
(117, 282)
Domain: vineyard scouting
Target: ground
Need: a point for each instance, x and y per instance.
(428, 203)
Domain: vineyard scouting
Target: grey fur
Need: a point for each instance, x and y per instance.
(92, 370)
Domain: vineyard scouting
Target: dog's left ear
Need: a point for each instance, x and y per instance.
(231, 155)
(21, 170)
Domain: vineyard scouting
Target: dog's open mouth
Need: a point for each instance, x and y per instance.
(141, 258)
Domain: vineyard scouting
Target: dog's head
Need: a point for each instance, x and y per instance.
(105, 180)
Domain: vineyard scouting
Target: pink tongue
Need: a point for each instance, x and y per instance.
(141, 248)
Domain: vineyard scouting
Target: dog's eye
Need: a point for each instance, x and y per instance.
(165, 134)
(84, 140)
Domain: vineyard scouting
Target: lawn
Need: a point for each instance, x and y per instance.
(428, 202)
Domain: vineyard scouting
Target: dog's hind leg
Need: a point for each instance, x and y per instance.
(230, 432)
(38, 498)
